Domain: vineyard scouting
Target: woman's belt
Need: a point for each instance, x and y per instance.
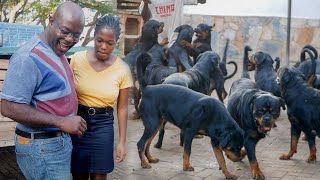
(95, 110)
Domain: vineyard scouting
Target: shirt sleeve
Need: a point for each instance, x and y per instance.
(21, 80)
(127, 78)
(190, 2)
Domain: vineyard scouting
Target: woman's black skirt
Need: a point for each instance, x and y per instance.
(93, 152)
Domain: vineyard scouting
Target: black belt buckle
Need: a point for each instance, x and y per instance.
(91, 111)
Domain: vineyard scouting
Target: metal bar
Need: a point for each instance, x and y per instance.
(288, 34)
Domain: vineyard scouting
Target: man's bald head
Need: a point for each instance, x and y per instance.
(65, 27)
(69, 11)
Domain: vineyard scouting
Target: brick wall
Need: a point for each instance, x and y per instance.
(14, 34)
(268, 34)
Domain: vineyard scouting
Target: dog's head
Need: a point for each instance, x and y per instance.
(266, 110)
(210, 60)
(258, 59)
(185, 33)
(203, 31)
(232, 144)
(150, 31)
(289, 76)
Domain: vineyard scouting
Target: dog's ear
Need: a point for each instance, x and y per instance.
(224, 142)
(282, 103)
(286, 77)
(178, 29)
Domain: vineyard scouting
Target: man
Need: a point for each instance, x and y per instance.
(168, 11)
(39, 94)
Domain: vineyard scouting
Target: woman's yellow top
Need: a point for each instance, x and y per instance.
(99, 89)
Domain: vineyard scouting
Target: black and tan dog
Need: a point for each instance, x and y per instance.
(303, 109)
(179, 53)
(265, 73)
(158, 68)
(149, 37)
(190, 111)
(202, 43)
(203, 77)
(255, 111)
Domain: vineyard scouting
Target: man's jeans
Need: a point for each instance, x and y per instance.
(44, 158)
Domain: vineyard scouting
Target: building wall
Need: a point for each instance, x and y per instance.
(14, 34)
(261, 33)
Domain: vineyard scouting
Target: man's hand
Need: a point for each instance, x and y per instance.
(186, 44)
(164, 42)
(73, 125)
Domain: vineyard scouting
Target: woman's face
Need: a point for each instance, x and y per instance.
(104, 43)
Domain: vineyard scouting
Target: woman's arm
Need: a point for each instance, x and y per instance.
(122, 111)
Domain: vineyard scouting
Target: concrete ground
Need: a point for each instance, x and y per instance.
(202, 158)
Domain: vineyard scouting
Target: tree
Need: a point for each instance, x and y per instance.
(97, 9)
(38, 11)
(11, 9)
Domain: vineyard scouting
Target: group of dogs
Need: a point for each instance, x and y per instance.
(175, 85)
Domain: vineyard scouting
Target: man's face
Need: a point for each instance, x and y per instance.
(63, 34)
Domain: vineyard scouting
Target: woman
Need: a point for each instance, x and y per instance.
(102, 80)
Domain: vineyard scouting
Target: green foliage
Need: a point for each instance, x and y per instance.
(39, 11)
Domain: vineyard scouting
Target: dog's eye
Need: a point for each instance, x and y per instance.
(259, 112)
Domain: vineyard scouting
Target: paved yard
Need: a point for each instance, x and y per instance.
(202, 158)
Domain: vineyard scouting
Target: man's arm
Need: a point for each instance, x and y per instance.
(193, 2)
(146, 13)
(25, 114)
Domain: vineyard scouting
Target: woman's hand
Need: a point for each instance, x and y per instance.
(121, 153)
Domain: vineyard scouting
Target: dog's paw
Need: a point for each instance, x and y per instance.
(188, 168)
(145, 165)
(257, 174)
(312, 159)
(285, 157)
(231, 177)
(134, 115)
(153, 160)
(158, 145)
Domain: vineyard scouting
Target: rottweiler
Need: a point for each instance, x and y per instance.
(203, 77)
(202, 43)
(158, 68)
(255, 111)
(265, 73)
(190, 111)
(179, 53)
(303, 109)
(149, 37)
(305, 65)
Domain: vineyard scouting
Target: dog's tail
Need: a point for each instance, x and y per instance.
(143, 60)
(303, 52)
(312, 74)
(222, 64)
(245, 73)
